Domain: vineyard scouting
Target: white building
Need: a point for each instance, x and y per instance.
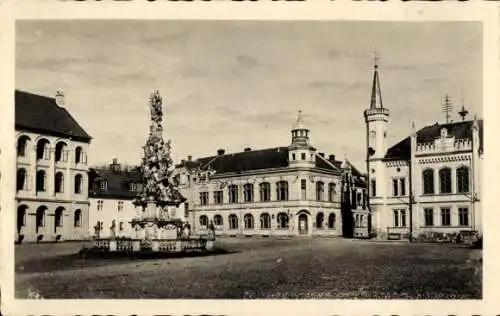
(428, 184)
(52, 195)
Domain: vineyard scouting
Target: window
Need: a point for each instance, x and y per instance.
(78, 183)
(248, 219)
(428, 217)
(402, 184)
(428, 180)
(22, 144)
(218, 221)
(463, 216)
(331, 192)
(21, 179)
(319, 220)
(320, 191)
(445, 216)
(78, 218)
(293, 156)
(331, 220)
(132, 187)
(248, 192)
(203, 198)
(21, 216)
(203, 221)
(282, 220)
(61, 152)
(120, 206)
(40, 217)
(99, 205)
(233, 193)
(42, 150)
(233, 222)
(445, 180)
(265, 221)
(463, 180)
(40, 180)
(399, 218)
(265, 191)
(395, 186)
(80, 156)
(103, 185)
(303, 156)
(282, 191)
(303, 189)
(399, 187)
(358, 198)
(59, 182)
(218, 196)
(373, 186)
(58, 218)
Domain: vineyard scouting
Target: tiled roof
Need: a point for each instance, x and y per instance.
(460, 130)
(42, 115)
(118, 183)
(251, 160)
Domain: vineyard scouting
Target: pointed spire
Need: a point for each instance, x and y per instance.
(463, 112)
(300, 122)
(376, 99)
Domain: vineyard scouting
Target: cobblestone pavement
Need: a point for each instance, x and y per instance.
(257, 268)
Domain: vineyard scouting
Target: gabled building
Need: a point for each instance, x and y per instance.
(51, 184)
(280, 191)
(428, 185)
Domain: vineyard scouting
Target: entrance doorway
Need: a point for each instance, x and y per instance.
(303, 224)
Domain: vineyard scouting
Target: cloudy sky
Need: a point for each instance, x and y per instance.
(236, 84)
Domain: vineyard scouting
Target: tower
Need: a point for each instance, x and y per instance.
(377, 120)
(300, 152)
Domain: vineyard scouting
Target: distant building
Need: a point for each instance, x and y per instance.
(427, 184)
(51, 184)
(111, 194)
(290, 190)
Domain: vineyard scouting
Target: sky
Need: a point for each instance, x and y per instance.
(237, 84)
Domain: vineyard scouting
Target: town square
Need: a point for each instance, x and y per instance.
(248, 160)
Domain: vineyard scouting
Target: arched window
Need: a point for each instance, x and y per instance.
(21, 179)
(463, 179)
(319, 220)
(42, 150)
(233, 193)
(21, 217)
(331, 192)
(320, 191)
(78, 183)
(265, 191)
(22, 146)
(218, 221)
(78, 155)
(265, 221)
(40, 180)
(282, 220)
(77, 222)
(445, 180)
(282, 191)
(248, 218)
(203, 221)
(58, 218)
(61, 152)
(331, 221)
(428, 181)
(59, 182)
(233, 221)
(40, 217)
(248, 192)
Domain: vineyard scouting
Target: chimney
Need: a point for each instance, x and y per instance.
(247, 149)
(190, 158)
(220, 152)
(322, 155)
(331, 157)
(60, 98)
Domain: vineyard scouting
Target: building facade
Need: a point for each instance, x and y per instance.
(428, 185)
(281, 191)
(52, 180)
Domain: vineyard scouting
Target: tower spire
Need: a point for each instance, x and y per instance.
(447, 107)
(463, 112)
(376, 99)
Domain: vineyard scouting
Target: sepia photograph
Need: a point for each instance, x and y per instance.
(215, 159)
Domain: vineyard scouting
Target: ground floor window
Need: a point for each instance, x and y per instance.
(248, 221)
(463, 216)
(445, 216)
(218, 221)
(428, 217)
(21, 216)
(233, 221)
(399, 218)
(331, 221)
(282, 220)
(78, 218)
(319, 220)
(203, 221)
(40, 217)
(265, 221)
